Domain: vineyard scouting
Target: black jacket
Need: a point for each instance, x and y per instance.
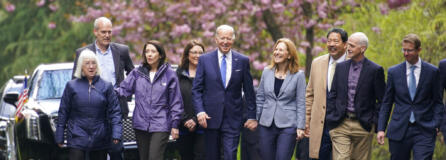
(186, 93)
(368, 97)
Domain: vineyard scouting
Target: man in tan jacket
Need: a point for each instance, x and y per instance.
(319, 84)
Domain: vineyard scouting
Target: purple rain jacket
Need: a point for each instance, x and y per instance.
(90, 113)
(158, 104)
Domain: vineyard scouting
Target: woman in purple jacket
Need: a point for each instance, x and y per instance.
(158, 102)
(87, 108)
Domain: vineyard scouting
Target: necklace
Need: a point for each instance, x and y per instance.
(280, 75)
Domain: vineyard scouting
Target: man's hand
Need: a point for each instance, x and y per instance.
(307, 131)
(380, 137)
(175, 133)
(251, 124)
(190, 124)
(60, 145)
(300, 134)
(115, 141)
(442, 138)
(202, 118)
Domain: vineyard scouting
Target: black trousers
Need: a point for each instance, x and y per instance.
(78, 154)
(191, 146)
(302, 149)
(250, 145)
(151, 146)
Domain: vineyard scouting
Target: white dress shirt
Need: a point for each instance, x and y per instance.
(339, 60)
(228, 64)
(416, 71)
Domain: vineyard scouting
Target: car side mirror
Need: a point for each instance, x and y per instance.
(11, 98)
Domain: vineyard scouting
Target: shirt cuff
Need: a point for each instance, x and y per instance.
(201, 113)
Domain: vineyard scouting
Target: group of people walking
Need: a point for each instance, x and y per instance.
(206, 102)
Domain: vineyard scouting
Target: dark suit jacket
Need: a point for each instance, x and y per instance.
(210, 96)
(427, 105)
(442, 68)
(121, 60)
(368, 98)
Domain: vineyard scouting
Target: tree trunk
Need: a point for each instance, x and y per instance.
(309, 37)
(271, 25)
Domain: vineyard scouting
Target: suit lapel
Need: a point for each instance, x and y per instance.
(285, 83)
(235, 62)
(324, 72)
(422, 78)
(344, 74)
(271, 79)
(362, 75)
(216, 67)
(404, 78)
(116, 58)
(92, 47)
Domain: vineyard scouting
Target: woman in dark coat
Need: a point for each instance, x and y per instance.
(158, 102)
(89, 111)
(191, 141)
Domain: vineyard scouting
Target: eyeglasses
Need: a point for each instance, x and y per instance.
(407, 50)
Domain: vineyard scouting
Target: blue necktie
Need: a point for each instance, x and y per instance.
(223, 70)
(412, 90)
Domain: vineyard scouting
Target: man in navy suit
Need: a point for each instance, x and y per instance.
(442, 68)
(221, 76)
(414, 87)
(353, 102)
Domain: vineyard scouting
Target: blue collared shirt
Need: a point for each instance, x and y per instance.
(106, 64)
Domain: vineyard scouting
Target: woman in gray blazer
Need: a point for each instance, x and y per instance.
(281, 103)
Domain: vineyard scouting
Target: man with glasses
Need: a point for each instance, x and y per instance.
(414, 87)
(442, 68)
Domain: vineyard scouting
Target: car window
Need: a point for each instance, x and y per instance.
(52, 83)
(32, 84)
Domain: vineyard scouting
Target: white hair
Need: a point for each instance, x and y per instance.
(225, 27)
(363, 40)
(86, 54)
(101, 19)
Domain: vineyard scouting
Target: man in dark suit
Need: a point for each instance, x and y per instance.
(442, 68)
(414, 87)
(221, 76)
(353, 102)
(113, 60)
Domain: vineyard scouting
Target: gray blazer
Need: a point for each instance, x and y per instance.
(287, 109)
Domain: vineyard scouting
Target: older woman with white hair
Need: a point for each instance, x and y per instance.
(89, 111)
